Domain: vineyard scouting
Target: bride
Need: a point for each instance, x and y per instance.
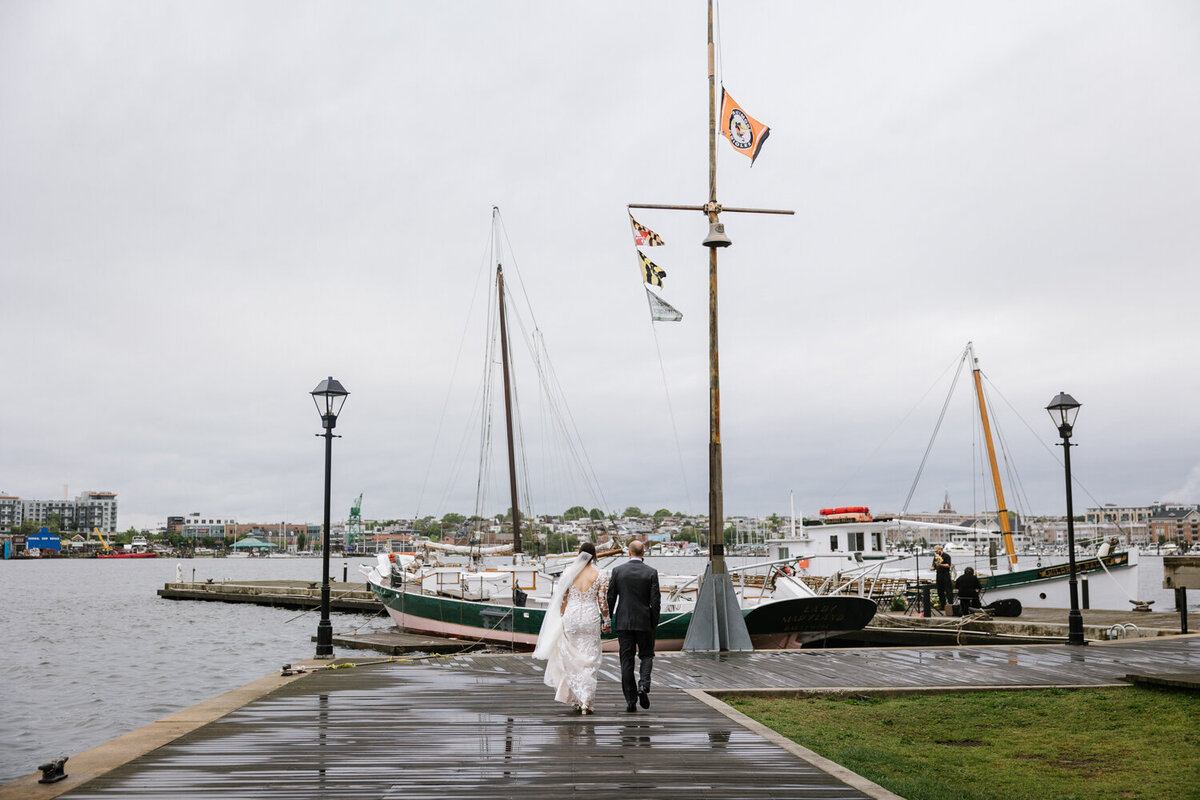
(569, 641)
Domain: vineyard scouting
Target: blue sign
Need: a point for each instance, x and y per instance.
(44, 541)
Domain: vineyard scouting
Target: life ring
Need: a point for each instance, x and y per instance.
(802, 563)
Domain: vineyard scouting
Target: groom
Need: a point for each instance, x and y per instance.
(634, 600)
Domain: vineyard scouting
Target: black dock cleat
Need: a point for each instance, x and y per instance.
(53, 771)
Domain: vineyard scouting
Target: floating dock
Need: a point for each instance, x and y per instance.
(351, 597)
(471, 726)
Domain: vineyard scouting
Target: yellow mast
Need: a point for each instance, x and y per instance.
(1001, 509)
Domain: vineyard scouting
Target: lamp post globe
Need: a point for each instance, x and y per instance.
(329, 396)
(1062, 410)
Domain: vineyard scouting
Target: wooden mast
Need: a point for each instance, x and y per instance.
(508, 414)
(717, 622)
(716, 522)
(1001, 509)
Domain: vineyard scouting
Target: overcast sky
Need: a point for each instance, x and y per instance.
(208, 207)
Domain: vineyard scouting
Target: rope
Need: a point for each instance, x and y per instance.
(318, 608)
(1014, 478)
(671, 413)
(932, 438)
(871, 457)
(1078, 483)
(450, 388)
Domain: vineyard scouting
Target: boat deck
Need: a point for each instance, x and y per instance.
(484, 725)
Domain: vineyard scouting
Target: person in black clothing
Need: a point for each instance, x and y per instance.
(635, 602)
(941, 569)
(968, 587)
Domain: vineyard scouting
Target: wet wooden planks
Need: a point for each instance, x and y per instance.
(450, 732)
(995, 665)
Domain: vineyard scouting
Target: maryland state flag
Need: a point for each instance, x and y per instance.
(743, 131)
(651, 272)
(643, 236)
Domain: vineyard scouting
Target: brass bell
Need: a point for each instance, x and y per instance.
(716, 235)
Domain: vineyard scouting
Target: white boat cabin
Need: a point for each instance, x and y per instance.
(837, 545)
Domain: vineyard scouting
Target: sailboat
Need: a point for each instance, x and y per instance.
(846, 550)
(502, 600)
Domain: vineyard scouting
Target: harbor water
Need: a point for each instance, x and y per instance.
(91, 652)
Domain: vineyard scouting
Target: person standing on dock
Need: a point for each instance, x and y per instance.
(941, 570)
(569, 641)
(634, 600)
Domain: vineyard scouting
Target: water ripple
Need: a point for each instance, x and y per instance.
(92, 652)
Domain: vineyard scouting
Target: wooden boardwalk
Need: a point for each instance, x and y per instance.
(454, 732)
(475, 726)
(891, 668)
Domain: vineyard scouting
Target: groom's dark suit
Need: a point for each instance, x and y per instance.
(634, 599)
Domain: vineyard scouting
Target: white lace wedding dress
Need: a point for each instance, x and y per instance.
(577, 656)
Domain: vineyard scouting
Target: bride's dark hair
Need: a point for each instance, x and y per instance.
(589, 548)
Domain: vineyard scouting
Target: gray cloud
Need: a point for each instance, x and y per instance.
(207, 208)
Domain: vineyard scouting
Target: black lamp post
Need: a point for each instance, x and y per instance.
(1063, 410)
(329, 397)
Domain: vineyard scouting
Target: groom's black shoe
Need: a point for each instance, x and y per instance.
(631, 706)
(644, 699)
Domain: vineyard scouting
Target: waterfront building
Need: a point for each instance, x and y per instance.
(1177, 523)
(10, 512)
(88, 510)
(199, 526)
(1134, 524)
(1110, 513)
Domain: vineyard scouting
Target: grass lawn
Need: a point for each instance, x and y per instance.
(1048, 743)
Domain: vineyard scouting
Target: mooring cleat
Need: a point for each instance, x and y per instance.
(53, 771)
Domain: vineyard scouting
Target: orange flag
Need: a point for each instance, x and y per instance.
(743, 131)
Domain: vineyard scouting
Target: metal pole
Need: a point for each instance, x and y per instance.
(325, 627)
(1074, 618)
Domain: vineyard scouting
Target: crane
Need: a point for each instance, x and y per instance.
(104, 546)
(354, 527)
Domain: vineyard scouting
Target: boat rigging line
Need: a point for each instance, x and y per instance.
(479, 281)
(1054, 455)
(936, 428)
(871, 457)
(671, 413)
(558, 433)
